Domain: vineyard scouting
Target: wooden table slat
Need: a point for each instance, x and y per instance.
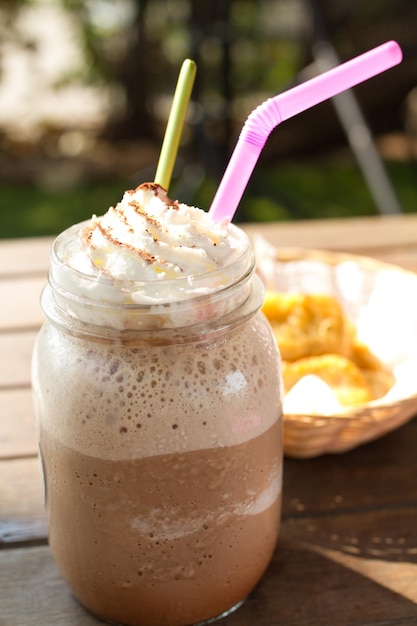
(42, 592)
(365, 235)
(22, 514)
(24, 256)
(20, 306)
(304, 586)
(15, 358)
(17, 430)
(347, 553)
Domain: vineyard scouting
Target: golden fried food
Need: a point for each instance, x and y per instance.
(341, 374)
(363, 357)
(307, 324)
(379, 382)
(315, 337)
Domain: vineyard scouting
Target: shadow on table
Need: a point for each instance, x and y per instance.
(304, 587)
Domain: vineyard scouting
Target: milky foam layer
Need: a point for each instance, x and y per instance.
(120, 403)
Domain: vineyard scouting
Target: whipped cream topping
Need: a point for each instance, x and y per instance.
(153, 251)
(148, 236)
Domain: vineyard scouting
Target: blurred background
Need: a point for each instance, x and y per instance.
(86, 87)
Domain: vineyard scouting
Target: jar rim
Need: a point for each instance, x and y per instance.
(196, 300)
(185, 286)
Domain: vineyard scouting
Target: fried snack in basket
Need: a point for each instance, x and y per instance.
(315, 337)
(345, 379)
(307, 324)
(379, 382)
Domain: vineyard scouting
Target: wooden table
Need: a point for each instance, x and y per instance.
(347, 553)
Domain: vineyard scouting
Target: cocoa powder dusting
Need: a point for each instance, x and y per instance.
(161, 193)
(146, 256)
(139, 209)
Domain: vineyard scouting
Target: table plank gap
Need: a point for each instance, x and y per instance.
(22, 512)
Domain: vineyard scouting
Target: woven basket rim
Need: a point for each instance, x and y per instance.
(310, 435)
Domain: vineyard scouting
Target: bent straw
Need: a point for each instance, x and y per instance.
(175, 123)
(273, 111)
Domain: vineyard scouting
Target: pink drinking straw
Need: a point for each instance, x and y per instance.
(273, 111)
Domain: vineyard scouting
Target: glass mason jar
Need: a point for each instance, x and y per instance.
(160, 436)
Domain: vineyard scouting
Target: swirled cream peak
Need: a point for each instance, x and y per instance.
(148, 236)
(153, 251)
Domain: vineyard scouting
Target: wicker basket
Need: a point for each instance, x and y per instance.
(306, 436)
(374, 295)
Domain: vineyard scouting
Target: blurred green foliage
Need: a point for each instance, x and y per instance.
(26, 210)
(322, 189)
(288, 191)
(246, 51)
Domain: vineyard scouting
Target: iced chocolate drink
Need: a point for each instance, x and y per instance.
(157, 395)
